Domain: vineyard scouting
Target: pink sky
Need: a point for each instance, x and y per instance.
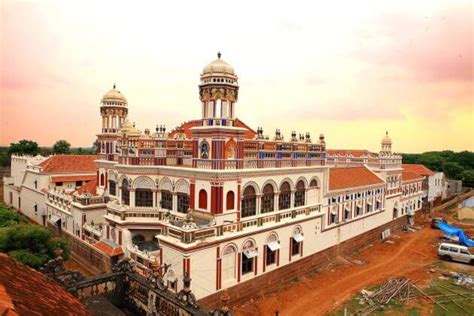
(348, 70)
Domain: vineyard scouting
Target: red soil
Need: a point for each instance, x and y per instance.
(327, 290)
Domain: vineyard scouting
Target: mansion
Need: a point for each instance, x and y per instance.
(214, 198)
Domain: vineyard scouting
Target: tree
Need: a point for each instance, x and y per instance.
(31, 244)
(62, 147)
(95, 147)
(453, 170)
(24, 147)
(8, 217)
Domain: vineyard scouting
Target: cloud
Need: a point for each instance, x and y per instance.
(435, 47)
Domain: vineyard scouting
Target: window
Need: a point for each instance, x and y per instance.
(78, 183)
(299, 194)
(464, 251)
(166, 200)
(453, 249)
(377, 205)
(271, 256)
(125, 192)
(247, 264)
(36, 184)
(36, 209)
(230, 198)
(267, 199)
(102, 180)
(332, 217)
(445, 248)
(203, 199)
(183, 202)
(358, 210)
(59, 184)
(295, 247)
(143, 197)
(112, 188)
(249, 202)
(313, 183)
(369, 208)
(284, 200)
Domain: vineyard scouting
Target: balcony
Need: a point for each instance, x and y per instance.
(232, 164)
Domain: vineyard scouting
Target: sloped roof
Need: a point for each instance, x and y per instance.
(418, 168)
(347, 152)
(410, 175)
(109, 250)
(69, 164)
(89, 187)
(32, 293)
(351, 177)
(186, 126)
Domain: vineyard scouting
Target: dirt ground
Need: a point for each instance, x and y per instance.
(409, 255)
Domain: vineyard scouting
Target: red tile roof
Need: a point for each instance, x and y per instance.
(346, 152)
(89, 187)
(409, 175)
(69, 164)
(108, 249)
(6, 305)
(86, 177)
(351, 177)
(186, 126)
(418, 168)
(32, 293)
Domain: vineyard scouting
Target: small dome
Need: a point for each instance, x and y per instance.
(114, 95)
(128, 129)
(386, 140)
(218, 67)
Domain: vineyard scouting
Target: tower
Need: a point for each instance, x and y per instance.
(114, 110)
(386, 145)
(218, 92)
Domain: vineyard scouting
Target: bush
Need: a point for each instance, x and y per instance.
(26, 257)
(31, 237)
(8, 217)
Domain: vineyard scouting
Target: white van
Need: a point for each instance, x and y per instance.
(455, 252)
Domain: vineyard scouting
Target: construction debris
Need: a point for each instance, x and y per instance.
(399, 289)
(460, 278)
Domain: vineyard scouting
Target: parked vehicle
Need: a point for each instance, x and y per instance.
(448, 251)
(436, 220)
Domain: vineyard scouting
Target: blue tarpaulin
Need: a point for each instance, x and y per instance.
(456, 231)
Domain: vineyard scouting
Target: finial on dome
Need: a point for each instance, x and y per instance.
(114, 85)
(386, 132)
(219, 54)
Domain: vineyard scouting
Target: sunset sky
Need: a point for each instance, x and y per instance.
(350, 69)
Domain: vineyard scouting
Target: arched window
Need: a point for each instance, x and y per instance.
(112, 187)
(166, 200)
(249, 202)
(296, 240)
(313, 183)
(229, 256)
(267, 199)
(102, 180)
(203, 199)
(248, 254)
(125, 192)
(299, 194)
(284, 200)
(230, 198)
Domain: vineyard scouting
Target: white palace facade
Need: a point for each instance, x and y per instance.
(224, 203)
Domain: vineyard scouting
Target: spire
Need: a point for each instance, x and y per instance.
(219, 54)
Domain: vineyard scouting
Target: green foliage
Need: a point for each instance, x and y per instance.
(62, 147)
(457, 166)
(8, 217)
(31, 244)
(453, 170)
(24, 147)
(28, 258)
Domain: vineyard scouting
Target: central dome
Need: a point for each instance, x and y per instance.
(218, 67)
